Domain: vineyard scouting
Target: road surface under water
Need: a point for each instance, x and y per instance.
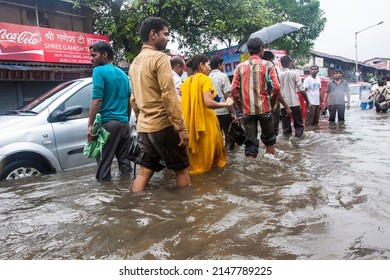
(325, 196)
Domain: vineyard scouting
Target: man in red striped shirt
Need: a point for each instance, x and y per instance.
(254, 85)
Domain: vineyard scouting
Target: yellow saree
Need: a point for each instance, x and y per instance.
(206, 146)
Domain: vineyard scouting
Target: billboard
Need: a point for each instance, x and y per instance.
(231, 59)
(38, 44)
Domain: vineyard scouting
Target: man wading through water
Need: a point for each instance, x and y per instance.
(162, 134)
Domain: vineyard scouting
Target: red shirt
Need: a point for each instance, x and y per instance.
(254, 84)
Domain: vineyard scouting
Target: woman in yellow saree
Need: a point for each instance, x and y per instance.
(206, 145)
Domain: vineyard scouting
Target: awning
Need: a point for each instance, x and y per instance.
(44, 66)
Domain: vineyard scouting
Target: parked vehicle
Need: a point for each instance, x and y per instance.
(47, 135)
(359, 94)
(355, 91)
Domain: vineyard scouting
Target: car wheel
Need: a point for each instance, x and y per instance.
(22, 168)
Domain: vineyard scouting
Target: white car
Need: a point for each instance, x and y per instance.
(359, 93)
(49, 134)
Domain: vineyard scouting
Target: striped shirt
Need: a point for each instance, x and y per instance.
(254, 84)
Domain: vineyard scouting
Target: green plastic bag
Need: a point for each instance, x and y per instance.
(94, 149)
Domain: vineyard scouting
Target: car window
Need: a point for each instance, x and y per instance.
(83, 98)
(354, 89)
(39, 104)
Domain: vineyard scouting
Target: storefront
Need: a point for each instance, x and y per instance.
(35, 59)
(21, 83)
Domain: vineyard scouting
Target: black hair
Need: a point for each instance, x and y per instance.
(177, 60)
(254, 45)
(338, 70)
(152, 23)
(102, 47)
(268, 55)
(196, 60)
(215, 60)
(314, 65)
(285, 60)
(381, 83)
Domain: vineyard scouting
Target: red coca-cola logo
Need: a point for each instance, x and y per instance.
(24, 37)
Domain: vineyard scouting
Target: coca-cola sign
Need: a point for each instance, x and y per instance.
(30, 43)
(24, 37)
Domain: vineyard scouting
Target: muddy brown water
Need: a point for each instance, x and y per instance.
(326, 196)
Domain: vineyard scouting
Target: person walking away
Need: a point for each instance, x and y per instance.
(278, 98)
(364, 94)
(177, 65)
(290, 84)
(162, 134)
(111, 98)
(206, 146)
(335, 93)
(312, 85)
(254, 84)
(381, 97)
(222, 86)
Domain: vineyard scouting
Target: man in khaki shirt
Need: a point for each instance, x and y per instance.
(162, 134)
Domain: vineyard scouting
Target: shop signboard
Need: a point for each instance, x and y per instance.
(38, 44)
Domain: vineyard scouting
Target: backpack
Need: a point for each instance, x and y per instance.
(381, 97)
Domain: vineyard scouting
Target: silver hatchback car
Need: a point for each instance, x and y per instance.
(49, 134)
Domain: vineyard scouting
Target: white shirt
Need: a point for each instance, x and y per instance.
(178, 82)
(290, 84)
(313, 86)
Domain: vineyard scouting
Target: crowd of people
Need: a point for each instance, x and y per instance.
(184, 125)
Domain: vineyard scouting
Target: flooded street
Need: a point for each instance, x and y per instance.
(325, 196)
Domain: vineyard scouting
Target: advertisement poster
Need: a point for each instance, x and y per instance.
(31, 43)
(278, 55)
(232, 59)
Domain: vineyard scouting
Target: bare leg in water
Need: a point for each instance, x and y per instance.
(270, 149)
(183, 178)
(142, 179)
(144, 175)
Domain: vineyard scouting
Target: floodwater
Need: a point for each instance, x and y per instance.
(325, 196)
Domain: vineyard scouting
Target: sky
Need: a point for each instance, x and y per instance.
(344, 18)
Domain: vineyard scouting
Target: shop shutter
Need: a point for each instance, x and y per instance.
(31, 90)
(8, 97)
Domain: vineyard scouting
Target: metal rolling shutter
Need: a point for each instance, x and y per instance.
(31, 90)
(8, 96)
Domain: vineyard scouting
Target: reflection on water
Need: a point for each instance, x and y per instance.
(325, 196)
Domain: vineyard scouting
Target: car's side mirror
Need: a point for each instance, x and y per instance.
(58, 115)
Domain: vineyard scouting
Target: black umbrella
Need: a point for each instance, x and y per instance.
(270, 33)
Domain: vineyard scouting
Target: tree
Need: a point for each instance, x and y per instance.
(307, 12)
(201, 25)
(114, 19)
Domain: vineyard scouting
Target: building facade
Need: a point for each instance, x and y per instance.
(328, 63)
(380, 62)
(42, 43)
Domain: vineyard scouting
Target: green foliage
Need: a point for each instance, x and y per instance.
(201, 25)
(307, 12)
